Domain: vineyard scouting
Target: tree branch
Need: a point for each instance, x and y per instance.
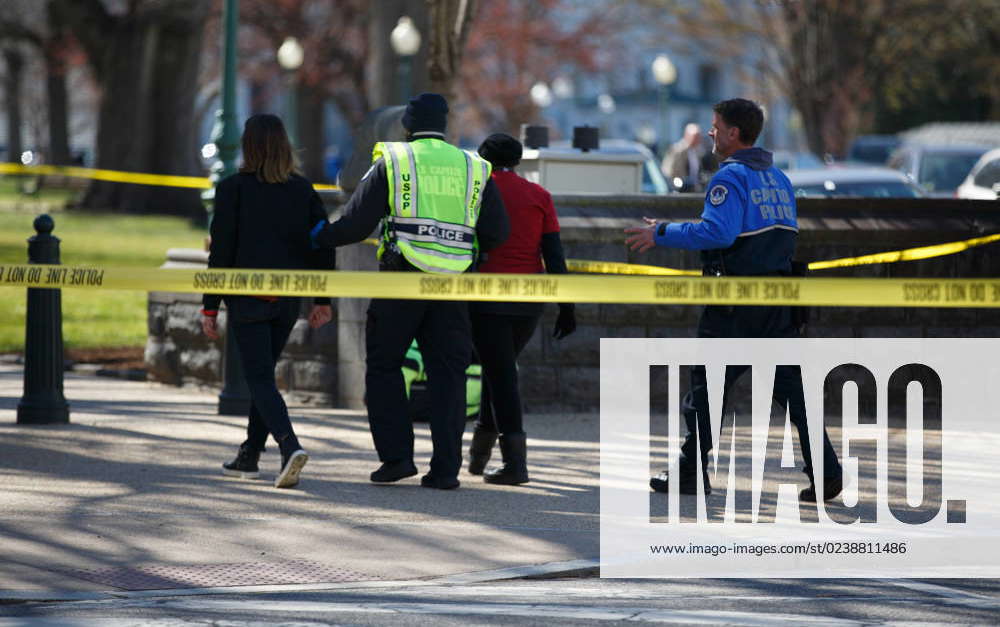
(91, 23)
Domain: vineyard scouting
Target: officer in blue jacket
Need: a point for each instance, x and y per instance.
(748, 228)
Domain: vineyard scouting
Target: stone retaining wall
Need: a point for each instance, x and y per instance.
(328, 366)
(177, 351)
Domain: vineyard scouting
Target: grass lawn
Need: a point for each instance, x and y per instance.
(91, 318)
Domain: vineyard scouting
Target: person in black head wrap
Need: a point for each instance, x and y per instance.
(501, 330)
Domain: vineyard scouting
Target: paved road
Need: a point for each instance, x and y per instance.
(838, 603)
(127, 497)
(134, 482)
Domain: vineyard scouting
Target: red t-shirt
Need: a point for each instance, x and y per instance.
(531, 213)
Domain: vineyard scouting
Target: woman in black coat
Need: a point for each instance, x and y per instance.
(262, 219)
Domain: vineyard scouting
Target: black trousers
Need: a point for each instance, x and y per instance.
(499, 339)
(443, 332)
(733, 322)
(788, 395)
(261, 330)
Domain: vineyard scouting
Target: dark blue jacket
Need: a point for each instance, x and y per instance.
(748, 225)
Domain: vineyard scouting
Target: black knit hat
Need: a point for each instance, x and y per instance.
(501, 150)
(427, 113)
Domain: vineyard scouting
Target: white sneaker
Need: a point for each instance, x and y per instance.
(289, 475)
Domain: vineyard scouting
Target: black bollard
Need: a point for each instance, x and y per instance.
(43, 401)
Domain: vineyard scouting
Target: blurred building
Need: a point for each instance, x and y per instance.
(627, 102)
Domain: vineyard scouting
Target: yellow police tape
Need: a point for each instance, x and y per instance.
(611, 267)
(117, 176)
(574, 265)
(589, 266)
(909, 254)
(521, 287)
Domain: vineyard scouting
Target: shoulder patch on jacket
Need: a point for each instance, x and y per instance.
(717, 195)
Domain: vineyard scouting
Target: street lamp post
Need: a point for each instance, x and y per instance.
(290, 56)
(405, 41)
(226, 133)
(540, 95)
(234, 399)
(606, 104)
(665, 74)
(562, 89)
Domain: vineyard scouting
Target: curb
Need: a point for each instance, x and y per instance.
(551, 570)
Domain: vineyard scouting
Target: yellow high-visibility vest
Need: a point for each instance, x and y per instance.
(435, 192)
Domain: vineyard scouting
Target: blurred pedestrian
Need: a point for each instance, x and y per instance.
(688, 165)
(501, 330)
(438, 208)
(263, 215)
(748, 228)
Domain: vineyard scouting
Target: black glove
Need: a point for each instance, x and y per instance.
(566, 322)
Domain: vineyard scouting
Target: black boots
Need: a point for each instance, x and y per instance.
(245, 464)
(688, 483)
(430, 481)
(390, 472)
(480, 450)
(514, 471)
(687, 479)
(832, 486)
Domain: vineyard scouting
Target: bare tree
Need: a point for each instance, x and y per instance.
(144, 55)
(515, 43)
(32, 28)
(829, 58)
(334, 36)
(58, 49)
(449, 22)
(12, 88)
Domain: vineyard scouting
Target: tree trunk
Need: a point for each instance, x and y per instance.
(54, 51)
(146, 64)
(12, 86)
(312, 137)
(449, 24)
(58, 103)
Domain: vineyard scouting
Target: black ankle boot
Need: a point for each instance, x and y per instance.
(480, 450)
(514, 471)
(833, 484)
(245, 464)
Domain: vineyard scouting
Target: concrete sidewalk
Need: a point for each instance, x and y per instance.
(129, 496)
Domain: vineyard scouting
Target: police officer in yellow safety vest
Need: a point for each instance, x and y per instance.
(439, 211)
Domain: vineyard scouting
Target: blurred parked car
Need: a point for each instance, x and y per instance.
(983, 182)
(786, 160)
(874, 149)
(653, 181)
(866, 182)
(938, 168)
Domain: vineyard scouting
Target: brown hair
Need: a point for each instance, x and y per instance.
(266, 149)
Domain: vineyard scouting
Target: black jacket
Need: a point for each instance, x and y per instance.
(370, 203)
(265, 225)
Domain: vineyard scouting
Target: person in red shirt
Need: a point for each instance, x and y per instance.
(500, 330)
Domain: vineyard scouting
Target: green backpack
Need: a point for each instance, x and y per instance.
(416, 386)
